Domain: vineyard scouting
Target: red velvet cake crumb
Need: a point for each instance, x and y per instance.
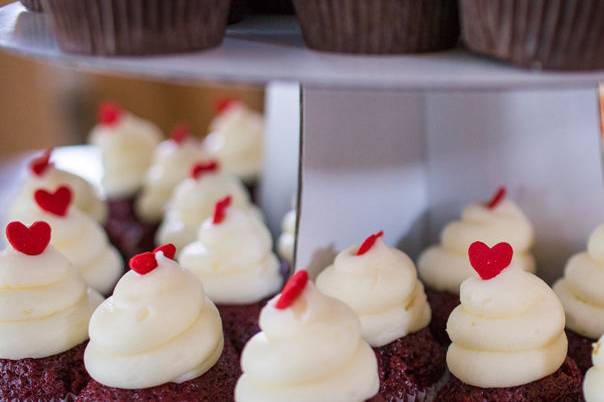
(442, 304)
(579, 349)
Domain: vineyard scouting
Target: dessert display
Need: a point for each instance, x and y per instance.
(380, 284)
(378, 27)
(233, 259)
(75, 235)
(580, 291)
(310, 349)
(287, 239)
(508, 339)
(158, 338)
(44, 318)
(445, 266)
(593, 385)
(194, 199)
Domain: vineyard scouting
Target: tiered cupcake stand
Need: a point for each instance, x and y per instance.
(398, 143)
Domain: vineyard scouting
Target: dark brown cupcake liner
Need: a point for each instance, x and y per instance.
(33, 5)
(547, 34)
(137, 27)
(271, 6)
(379, 26)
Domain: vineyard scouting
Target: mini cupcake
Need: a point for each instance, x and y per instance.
(44, 174)
(233, 259)
(287, 240)
(379, 26)
(508, 340)
(33, 5)
(593, 386)
(158, 338)
(44, 318)
(171, 164)
(444, 267)
(77, 236)
(380, 284)
(310, 349)
(236, 140)
(580, 292)
(127, 144)
(193, 202)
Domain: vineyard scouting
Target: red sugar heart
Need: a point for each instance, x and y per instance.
(31, 240)
(199, 169)
(180, 133)
(109, 114)
(220, 209)
(168, 249)
(223, 104)
(497, 198)
(143, 263)
(40, 164)
(292, 290)
(369, 242)
(56, 203)
(490, 261)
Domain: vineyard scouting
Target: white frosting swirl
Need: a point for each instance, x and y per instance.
(234, 260)
(445, 266)
(155, 329)
(310, 351)
(581, 288)
(287, 240)
(508, 331)
(382, 288)
(83, 242)
(593, 386)
(193, 201)
(45, 305)
(171, 165)
(127, 151)
(237, 141)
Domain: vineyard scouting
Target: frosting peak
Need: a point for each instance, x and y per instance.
(593, 386)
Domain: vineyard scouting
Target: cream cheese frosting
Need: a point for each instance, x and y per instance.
(287, 239)
(171, 164)
(156, 328)
(508, 331)
(233, 259)
(382, 288)
(445, 266)
(580, 290)
(237, 140)
(593, 386)
(310, 351)
(127, 143)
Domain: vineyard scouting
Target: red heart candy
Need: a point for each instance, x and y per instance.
(31, 240)
(292, 290)
(168, 249)
(110, 114)
(40, 164)
(220, 209)
(490, 261)
(143, 263)
(369, 242)
(223, 104)
(180, 133)
(497, 198)
(56, 203)
(199, 169)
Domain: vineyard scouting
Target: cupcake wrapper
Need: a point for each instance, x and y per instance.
(379, 26)
(548, 34)
(272, 6)
(32, 5)
(135, 27)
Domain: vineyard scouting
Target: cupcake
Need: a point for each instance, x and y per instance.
(171, 164)
(158, 338)
(580, 292)
(233, 259)
(44, 318)
(236, 141)
(380, 284)
(379, 26)
(77, 236)
(287, 240)
(127, 144)
(593, 386)
(193, 202)
(44, 174)
(508, 340)
(310, 349)
(137, 27)
(444, 267)
(549, 34)
(33, 5)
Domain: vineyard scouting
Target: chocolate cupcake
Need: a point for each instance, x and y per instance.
(33, 5)
(137, 27)
(233, 259)
(548, 34)
(158, 338)
(508, 339)
(44, 318)
(380, 26)
(580, 291)
(444, 267)
(380, 284)
(271, 6)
